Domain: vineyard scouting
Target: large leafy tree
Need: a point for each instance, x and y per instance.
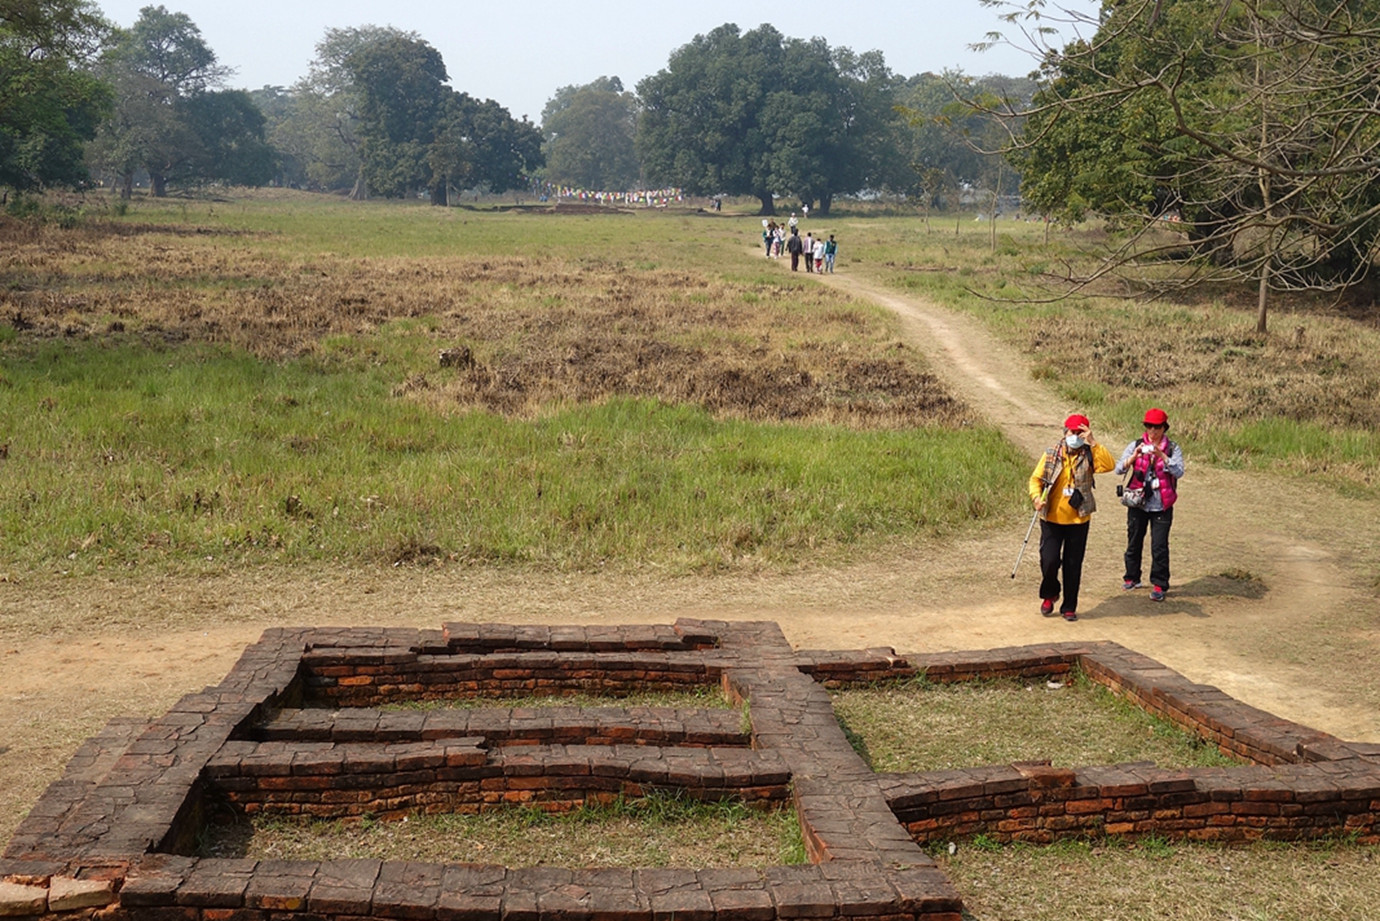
(478, 144)
(315, 125)
(403, 99)
(1253, 122)
(757, 114)
(50, 102)
(416, 133)
(229, 147)
(590, 134)
(156, 67)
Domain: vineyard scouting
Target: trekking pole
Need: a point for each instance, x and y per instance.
(1023, 543)
(1044, 497)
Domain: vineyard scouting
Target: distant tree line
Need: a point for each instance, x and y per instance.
(749, 114)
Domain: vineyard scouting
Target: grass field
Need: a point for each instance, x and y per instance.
(281, 380)
(285, 378)
(202, 385)
(1301, 399)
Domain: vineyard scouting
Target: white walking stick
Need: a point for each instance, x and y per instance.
(1023, 543)
(1044, 497)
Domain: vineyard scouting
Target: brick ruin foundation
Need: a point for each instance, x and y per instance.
(296, 729)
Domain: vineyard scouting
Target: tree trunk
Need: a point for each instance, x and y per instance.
(361, 190)
(438, 195)
(127, 185)
(768, 206)
(158, 184)
(825, 201)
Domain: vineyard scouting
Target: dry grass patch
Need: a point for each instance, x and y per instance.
(519, 332)
(925, 727)
(1154, 881)
(1309, 369)
(657, 831)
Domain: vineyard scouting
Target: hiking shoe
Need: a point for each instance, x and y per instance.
(1047, 607)
(1129, 584)
(1156, 593)
(1070, 616)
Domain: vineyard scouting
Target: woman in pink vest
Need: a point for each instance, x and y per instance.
(1156, 464)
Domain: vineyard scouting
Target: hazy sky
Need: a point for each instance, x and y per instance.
(518, 52)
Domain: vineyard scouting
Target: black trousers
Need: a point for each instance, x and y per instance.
(1158, 523)
(1062, 548)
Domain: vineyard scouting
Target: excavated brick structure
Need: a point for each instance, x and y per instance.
(111, 838)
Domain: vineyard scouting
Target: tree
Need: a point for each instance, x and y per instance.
(952, 142)
(863, 122)
(314, 125)
(403, 98)
(155, 67)
(1252, 122)
(758, 114)
(478, 144)
(590, 136)
(50, 102)
(700, 124)
(230, 146)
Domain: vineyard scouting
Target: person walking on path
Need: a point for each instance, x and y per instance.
(794, 247)
(819, 254)
(831, 249)
(1156, 464)
(1061, 488)
(807, 250)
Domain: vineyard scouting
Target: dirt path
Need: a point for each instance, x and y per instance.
(1300, 639)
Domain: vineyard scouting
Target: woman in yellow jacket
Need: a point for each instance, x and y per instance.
(1061, 487)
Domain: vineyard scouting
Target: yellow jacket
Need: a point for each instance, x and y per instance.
(1057, 508)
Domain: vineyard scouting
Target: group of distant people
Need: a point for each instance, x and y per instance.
(818, 253)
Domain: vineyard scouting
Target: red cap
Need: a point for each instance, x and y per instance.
(1076, 421)
(1156, 417)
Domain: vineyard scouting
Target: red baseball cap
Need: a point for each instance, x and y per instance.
(1076, 421)
(1156, 417)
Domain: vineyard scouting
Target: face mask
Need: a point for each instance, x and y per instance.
(1074, 441)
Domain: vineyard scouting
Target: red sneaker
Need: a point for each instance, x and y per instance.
(1070, 616)
(1047, 607)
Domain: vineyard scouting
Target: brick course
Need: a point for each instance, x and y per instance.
(110, 838)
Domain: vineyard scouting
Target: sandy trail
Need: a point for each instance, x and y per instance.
(1300, 639)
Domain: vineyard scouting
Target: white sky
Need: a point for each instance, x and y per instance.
(519, 52)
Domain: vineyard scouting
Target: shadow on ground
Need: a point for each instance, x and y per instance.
(1180, 599)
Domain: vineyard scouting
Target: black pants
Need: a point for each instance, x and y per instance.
(1159, 523)
(1062, 547)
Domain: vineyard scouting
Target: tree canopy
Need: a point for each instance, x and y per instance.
(758, 114)
(169, 117)
(50, 102)
(1250, 124)
(590, 136)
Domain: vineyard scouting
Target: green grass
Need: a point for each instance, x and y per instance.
(123, 455)
(926, 727)
(302, 226)
(1300, 399)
